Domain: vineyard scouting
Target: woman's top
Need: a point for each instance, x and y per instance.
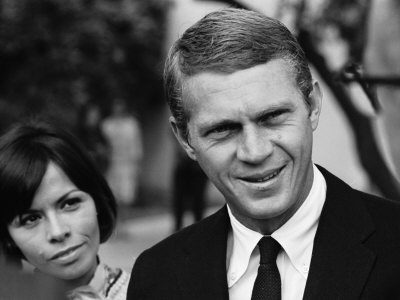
(107, 284)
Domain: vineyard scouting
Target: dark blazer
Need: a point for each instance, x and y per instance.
(356, 253)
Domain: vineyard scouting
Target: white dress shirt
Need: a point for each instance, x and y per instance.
(296, 237)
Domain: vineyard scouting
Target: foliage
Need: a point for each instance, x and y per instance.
(56, 54)
(348, 17)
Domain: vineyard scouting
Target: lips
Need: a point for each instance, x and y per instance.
(262, 177)
(65, 253)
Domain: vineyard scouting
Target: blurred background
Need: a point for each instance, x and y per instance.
(95, 67)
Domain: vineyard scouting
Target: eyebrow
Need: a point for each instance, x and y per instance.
(207, 126)
(271, 109)
(65, 196)
(259, 115)
(60, 199)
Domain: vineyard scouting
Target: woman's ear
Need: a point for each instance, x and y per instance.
(183, 138)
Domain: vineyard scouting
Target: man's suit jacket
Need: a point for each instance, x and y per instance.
(356, 253)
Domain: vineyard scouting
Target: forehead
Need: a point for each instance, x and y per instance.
(54, 184)
(269, 84)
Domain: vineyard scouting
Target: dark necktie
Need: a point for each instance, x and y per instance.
(268, 281)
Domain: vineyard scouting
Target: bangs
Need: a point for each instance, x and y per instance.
(21, 172)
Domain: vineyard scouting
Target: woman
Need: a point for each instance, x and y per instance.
(59, 209)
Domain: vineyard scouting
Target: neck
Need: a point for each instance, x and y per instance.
(68, 284)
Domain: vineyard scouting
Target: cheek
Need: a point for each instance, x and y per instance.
(214, 163)
(88, 217)
(87, 225)
(31, 245)
(297, 140)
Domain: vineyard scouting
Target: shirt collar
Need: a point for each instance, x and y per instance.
(243, 243)
(296, 236)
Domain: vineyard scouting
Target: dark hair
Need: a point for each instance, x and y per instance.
(26, 150)
(226, 41)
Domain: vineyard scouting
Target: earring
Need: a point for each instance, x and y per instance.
(10, 245)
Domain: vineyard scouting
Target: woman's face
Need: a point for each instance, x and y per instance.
(59, 234)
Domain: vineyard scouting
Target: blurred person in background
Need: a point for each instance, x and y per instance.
(123, 133)
(245, 106)
(91, 135)
(188, 190)
(57, 209)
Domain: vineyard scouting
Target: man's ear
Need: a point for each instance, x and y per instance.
(315, 102)
(182, 138)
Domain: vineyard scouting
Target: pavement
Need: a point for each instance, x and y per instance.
(138, 229)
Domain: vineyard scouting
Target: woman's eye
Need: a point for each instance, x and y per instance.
(71, 203)
(29, 220)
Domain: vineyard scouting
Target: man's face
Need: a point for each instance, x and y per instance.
(251, 132)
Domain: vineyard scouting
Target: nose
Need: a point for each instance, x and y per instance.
(254, 145)
(57, 229)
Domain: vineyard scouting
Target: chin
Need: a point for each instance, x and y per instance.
(266, 215)
(76, 270)
(267, 209)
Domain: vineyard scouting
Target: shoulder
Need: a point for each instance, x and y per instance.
(195, 232)
(158, 268)
(372, 201)
(385, 213)
(172, 249)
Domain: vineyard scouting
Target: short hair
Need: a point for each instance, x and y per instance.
(26, 150)
(226, 41)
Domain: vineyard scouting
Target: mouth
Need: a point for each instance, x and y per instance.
(262, 177)
(66, 254)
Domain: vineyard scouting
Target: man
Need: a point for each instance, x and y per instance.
(244, 106)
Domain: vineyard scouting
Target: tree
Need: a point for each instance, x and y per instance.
(56, 55)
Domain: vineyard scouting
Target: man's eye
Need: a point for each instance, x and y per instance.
(218, 133)
(221, 131)
(274, 116)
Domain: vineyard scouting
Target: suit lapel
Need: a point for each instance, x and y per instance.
(203, 271)
(340, 263)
